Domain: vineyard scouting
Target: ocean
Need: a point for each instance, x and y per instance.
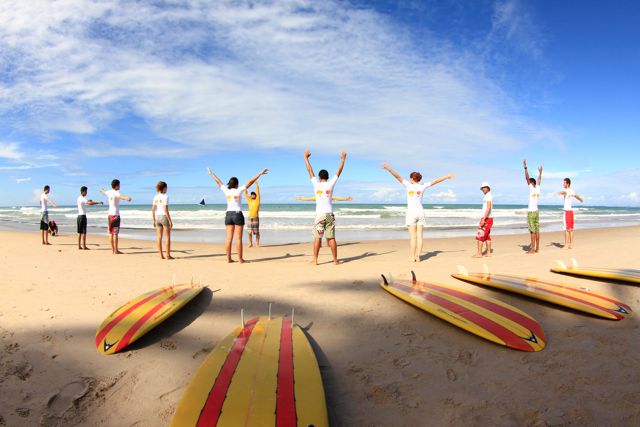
(292, 222)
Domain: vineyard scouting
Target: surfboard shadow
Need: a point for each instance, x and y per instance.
(174, 324)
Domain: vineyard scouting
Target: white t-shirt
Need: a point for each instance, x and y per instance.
(534, 196)
(234, 197)
(114, 202)
(82, 205)
(160, 201)
(44, 200)
(568, 198)
(324, 194)
(485, 200)
(414, 195)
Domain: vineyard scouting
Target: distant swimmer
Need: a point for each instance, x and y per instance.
(567, 218)
(415, 218)
(114, 197)
(82, 203)
(234, 219)
(483, 236)
(45, 201)
(253, 201)
(533, 214)
(161, 218)
(324, 225)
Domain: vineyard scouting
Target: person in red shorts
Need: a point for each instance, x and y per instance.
(484, 230)
(114, 213)
(567, 215)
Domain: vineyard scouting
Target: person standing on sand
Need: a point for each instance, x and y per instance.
(234, 219)
(415, 219)
(161, 219)
(44, 214)
(114, 213)
(567, 218)
(325, 220)
(484, 231)
(82, 203)
(533, 214)
(253, 201)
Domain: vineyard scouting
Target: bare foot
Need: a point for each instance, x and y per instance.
(161, 256)
(170, 257)
(118, 253)
(85, 248)
(229, 260)
(416, 259)
(250, 246)
(80, 248)
(477, 256)
(242, 261)
(487, 255)
(531, 252)
(337, 261)
(314, 261)
(49, 244)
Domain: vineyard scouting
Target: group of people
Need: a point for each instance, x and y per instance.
(324, 224)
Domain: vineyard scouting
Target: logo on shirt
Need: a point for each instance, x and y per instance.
(411, 193)
(236, 197)
(328, 192)
(419, 193)
(319, 192)
(228, 197)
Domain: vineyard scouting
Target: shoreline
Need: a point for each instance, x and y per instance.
(381, 359)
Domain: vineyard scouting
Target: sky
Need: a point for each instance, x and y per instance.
(160, 90)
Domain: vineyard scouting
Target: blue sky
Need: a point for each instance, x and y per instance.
(93, 90)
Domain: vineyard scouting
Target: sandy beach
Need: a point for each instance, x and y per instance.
(384, 363)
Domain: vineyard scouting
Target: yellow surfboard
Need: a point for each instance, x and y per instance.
(486, 317)
(628, 275)
(137, 317)
(583, 300)
(262, 374)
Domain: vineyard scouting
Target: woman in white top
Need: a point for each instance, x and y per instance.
(161, 219)
(415, 219)
(234, 219)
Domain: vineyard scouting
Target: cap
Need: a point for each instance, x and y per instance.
(485, 184)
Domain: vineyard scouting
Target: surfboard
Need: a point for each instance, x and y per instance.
(628, 275)
(583, 300)
(485, 317)
(262, 374)
(138, 316)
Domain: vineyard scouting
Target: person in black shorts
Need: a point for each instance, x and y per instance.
(82, 217)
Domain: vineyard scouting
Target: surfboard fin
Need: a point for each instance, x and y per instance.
(574, 263)
(384, 280)
(413, 276)
(462, 270)
(293, 312)
(269, 311)
(242, 317)
(561, 265)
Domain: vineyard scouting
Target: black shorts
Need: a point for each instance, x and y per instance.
(82, 224)
(234, 218)
(44, 221)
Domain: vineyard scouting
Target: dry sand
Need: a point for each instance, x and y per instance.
(384, 363)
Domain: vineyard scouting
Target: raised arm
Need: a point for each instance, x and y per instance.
(392, 172)
(307, 154)
(255, 178)
(342, 199)
(539, 175)
(343, 158)
(442, 178)
(579, 198)
(526, 171)
(53, 203)
(125, 198)
(213, 175)
(103, 191)
(258, 192)
(91, 203)
(306, 199)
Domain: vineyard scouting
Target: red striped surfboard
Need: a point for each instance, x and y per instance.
(262, 374)
(486, 317)
(143, 313)
(594, 303)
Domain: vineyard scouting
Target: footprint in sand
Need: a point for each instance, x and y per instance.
(22, 370)
(451, 375)
(68, 394)
(168, 345)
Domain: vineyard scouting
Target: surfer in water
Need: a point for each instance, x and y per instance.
(486, 222)
(44, 214)
(533, 214)
(234, 219)
(114, 213)
(415, 219)
(161, 219)
(325, 220)
(253, 201)
(567, 218)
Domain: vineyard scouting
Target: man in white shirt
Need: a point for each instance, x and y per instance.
(484, 230)
(114, 213)
(325, 220)
(567, 216)
(533, 214)
(415, 218)
(44, 214)
(82, 203)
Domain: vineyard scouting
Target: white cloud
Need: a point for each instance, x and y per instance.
(10, 151)
(21, 180)
(444, 196)
(226, 75)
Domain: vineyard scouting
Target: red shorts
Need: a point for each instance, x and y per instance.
(568, 220)
(484, 233)
(114, 224)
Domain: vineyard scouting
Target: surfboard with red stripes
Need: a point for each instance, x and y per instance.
(485, 317)
(583, 300)
(143, 313)
(262, 374)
